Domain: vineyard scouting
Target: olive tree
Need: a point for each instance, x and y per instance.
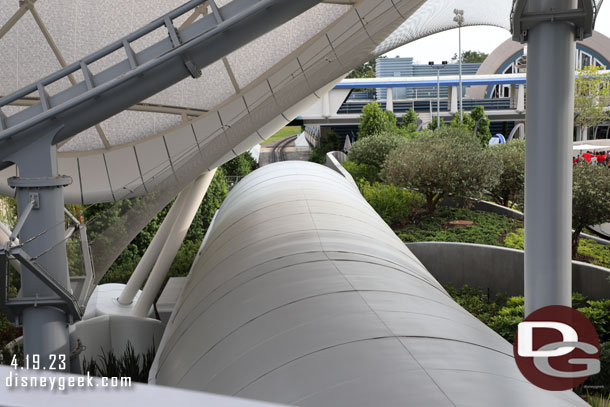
(512, 177)
(373, 150)
(590, 197)
(440, 163)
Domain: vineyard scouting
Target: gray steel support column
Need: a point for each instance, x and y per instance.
(45, 329)
(548, 168)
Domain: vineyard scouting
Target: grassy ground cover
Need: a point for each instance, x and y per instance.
(283, 133)
(588, 250)
(487, 228)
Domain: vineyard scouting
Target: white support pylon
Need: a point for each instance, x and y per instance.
(149, 259)
(172, 244)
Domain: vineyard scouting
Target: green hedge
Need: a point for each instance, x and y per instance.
(395, 205)
(362, 172)
(588, 250)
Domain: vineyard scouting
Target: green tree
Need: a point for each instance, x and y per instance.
(366, 70)
(446, 161)
(8, 211)
(240, 166)
(409, 121)
(375, 120)
(100, 215)
(591, 97)
(332, 142)
(469, 122)
(373, 150)
(481, 123)
(590, 195)
(512, 178)
(469, 57)
(433, 124)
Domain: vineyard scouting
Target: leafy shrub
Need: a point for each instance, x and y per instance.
(503, 313)
(469, 122)
(477, 114)
(476, 302)
(362, 171)
(128, 364)
(374, 149)
(591, 251)
(318, 155)
(394, 205)
(598, 312)
(507, 319)
(332, 142)
(7, 354)
(594, 253)
(514, 240)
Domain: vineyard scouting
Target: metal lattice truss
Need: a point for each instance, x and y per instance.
(25, 6)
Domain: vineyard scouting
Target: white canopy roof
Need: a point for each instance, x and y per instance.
(239, 100)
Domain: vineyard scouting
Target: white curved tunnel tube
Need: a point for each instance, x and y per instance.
(302, 295)
(187, 213)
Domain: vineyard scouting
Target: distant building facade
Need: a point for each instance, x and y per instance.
(508, 58)
(404, 67)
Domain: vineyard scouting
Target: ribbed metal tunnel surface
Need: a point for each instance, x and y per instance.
(303, 295)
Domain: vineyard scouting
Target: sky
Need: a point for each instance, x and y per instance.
(442, 46)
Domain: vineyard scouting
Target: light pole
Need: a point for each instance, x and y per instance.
(459, 19)
(438, 90)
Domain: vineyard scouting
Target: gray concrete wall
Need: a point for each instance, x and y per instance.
(111, 333)
(498, 269)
